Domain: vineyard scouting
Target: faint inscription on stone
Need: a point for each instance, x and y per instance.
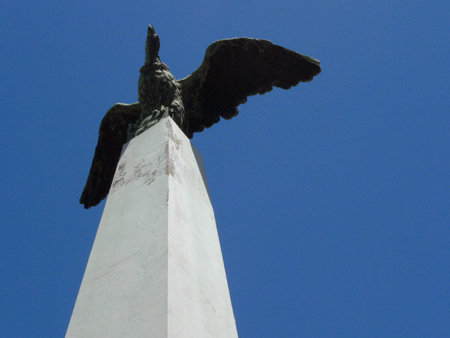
(141, 172)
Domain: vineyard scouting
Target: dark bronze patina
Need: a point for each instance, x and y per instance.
(232, 70)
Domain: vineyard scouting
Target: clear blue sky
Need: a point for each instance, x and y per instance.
(331, 199)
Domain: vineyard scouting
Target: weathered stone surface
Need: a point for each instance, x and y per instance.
(156, 267)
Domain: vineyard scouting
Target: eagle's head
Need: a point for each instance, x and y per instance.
(151, 46)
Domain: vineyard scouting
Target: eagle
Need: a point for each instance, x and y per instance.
(232, 70)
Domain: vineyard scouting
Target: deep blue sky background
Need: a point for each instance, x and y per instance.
(331, 199)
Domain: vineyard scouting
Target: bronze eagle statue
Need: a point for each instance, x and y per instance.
(232, 70)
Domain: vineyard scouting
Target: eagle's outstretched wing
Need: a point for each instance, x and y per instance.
(112, 137)
(234, 69)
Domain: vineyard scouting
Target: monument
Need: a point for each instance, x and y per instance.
(156, 267)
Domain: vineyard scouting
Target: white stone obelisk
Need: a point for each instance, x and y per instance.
(156, 268)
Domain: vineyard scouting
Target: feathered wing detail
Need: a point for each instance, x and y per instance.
(234, 69)
(112, 137)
